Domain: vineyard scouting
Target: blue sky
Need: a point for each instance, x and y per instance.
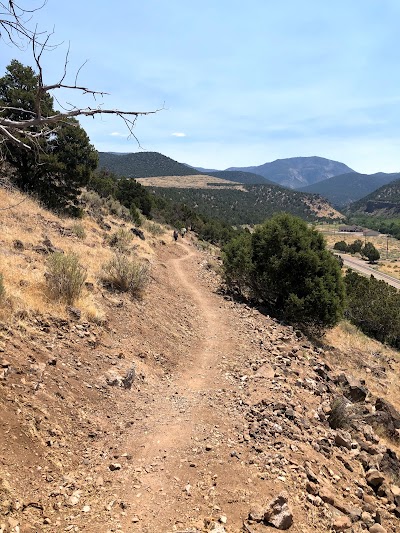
(241, 83)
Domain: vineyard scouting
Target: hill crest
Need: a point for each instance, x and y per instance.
(347, 188)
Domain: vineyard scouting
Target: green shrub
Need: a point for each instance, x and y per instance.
(287, 268)
(65, 277)
(341, 246)
(126, 275)
(370, 252)
(237, 264)
(355, 247)
(79, 231)
(135, 215)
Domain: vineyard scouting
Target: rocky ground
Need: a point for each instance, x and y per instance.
(190, 412)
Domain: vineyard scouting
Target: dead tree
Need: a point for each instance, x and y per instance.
(14, 27)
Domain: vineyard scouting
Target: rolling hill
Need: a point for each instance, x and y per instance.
(383, 203)
(347, 188)
(296, 172)
(143, 165)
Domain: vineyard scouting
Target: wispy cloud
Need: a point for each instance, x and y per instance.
(178, 134)
(117, 134)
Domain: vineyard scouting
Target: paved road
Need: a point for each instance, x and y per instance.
(363, 268)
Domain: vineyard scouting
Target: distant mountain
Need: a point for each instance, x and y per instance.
(143, 165)
(297, 172)
(240, 177)
(384, 202)
(206, 170)
(346, 188)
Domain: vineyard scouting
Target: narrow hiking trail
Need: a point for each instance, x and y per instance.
(189, 429)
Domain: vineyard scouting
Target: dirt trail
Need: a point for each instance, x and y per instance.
(184, 420)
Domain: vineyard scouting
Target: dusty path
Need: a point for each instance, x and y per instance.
(179, 457)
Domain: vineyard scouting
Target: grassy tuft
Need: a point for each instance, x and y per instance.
(79, 231)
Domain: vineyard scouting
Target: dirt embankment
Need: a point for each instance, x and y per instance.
(227, 409)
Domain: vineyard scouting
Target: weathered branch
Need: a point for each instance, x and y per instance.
(88, 112)
(13, 20)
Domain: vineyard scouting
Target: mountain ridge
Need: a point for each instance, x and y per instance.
(292, 172)
(296, 172)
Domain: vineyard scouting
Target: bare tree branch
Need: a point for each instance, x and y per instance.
(13, 21)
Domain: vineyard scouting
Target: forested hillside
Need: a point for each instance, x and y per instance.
(252, 206)
(241, 177)
(380, 210)
(384, 202)
(143, 165)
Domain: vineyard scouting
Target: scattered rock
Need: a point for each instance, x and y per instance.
(374, 478)
(377, 528)
(278, 513)
(129, 377)
(341, 523)
(18, 245)
(74, 312)
(353, 389)
(115, 466)
(256, 513)
(139, 233)
(343, 438)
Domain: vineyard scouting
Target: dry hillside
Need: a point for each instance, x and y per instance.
(225, 409)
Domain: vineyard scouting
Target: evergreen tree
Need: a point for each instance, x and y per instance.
(55, 166)
(370, 252)
(341, 246)
(287, 267)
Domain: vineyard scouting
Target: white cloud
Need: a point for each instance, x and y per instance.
(117, 134)
(178, 134)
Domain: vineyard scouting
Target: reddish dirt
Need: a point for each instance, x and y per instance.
(179, 438)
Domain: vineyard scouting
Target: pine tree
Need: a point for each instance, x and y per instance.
(55, 166)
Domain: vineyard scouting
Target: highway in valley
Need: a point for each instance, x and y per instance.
(363, 268)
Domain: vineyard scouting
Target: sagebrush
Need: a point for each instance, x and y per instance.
(2, 288)
(65, 277)
(125, 274)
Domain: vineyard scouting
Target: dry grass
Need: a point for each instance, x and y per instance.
(24, 270)
(366, 358)
(190, 182)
